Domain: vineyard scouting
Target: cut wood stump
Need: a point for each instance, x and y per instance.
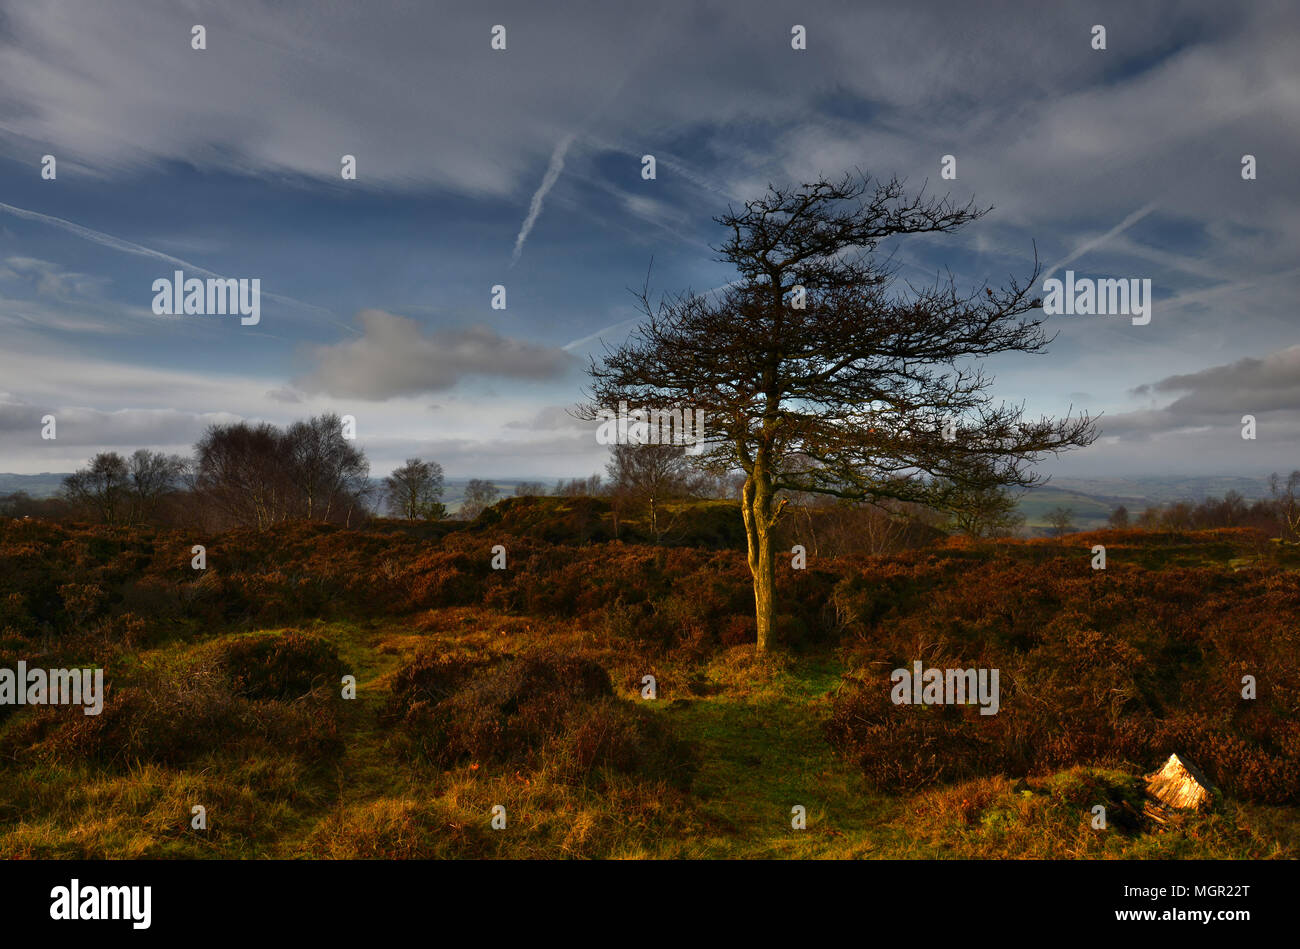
(1179, 785)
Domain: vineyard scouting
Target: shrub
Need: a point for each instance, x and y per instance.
(538, 710)
(169, 717)
(277, 666)
(624, 738)
(1115, 668)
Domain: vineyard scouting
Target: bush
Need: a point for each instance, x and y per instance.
(1117, 668)
(911, 746)
(277, 666)
(624, 738)
(539, 710)
(170, 717)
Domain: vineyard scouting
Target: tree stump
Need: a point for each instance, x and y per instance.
(1179, 785)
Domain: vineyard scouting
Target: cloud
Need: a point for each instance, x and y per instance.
(87, 428)
(106, 240)
(50, 279)
(393, 357)
(1199, 429)
(127, 247)
(552, 175)
(48, 297)
(1203, 422)
(553, 418)
(1096, 242)
(1250, 386)
(1065, 145)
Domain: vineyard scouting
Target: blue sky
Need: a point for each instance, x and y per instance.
(1116, 163)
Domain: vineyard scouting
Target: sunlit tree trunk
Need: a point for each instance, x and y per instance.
(757, 504)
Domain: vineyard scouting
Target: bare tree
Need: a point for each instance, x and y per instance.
(985, 511)
(260, 475)
(328, 472)
(414, 490)
(1119, 518)
(153, 477)
(648, 475)
(103, 488)
(833, 527)
(578, 487)
(819, 374)
(238, 470)
(1286, 500)
(530, 489)
(1060, 520)
(479, 496)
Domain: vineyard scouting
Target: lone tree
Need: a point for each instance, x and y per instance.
(413, 490)
(103, 486)
(479, 496)
(988, 511)
(1060, 520)
(649, 475)
(819, 374)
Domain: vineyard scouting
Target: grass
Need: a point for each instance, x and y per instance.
(755, 728)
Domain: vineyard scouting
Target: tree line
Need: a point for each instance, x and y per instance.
(1278, 514)
(240, 474)
(258, 474)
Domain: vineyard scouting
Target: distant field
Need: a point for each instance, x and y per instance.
(1089, 513)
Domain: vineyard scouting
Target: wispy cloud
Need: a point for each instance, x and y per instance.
(579, 343)
(129, 247)
(552, 175)
(1096, 242)
(107, 240)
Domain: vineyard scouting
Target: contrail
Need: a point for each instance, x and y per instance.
(127, 247)
(548, 182)
(1119, 228)
(557, 157)
(108, 240)
(570, 347)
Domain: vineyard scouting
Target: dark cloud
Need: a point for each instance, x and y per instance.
(1270, 384)
(1201, 428)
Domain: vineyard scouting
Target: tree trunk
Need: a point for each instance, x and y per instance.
(756, 505)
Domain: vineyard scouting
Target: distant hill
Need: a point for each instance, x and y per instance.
(44, 485)
(1089, 512)
(1160, 490)
(1091, 500)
